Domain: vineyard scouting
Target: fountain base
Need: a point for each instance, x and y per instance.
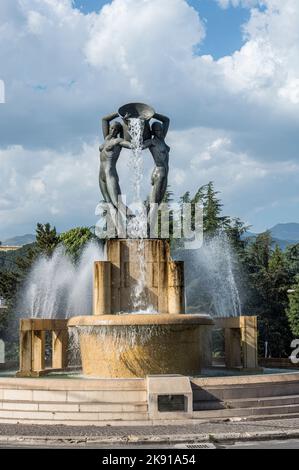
(127, 346)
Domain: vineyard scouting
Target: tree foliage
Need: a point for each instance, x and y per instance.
(76, 239)
(265, 272)
(293, 308)
(46, 239)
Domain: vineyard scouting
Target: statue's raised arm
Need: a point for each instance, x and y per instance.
(106, 123)
(165, 122)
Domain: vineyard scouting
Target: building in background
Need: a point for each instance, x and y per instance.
(5, 249)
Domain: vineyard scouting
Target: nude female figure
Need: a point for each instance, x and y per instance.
(160, 152)
(109, 154)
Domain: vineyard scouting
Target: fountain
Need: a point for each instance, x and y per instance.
(142, 355)
(139, 326)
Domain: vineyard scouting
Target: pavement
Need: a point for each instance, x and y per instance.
(221, 434)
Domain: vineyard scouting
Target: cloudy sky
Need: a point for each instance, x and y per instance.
(225, 71)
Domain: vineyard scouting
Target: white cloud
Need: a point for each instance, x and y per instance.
(290, 90)
(236, 3)
(232, 118)
(248, 185)
(37, 185)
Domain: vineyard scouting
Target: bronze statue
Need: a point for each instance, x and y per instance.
(117, 137)
(109, 154)
(160, 152)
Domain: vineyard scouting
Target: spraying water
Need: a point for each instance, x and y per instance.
(211, 283)
(58, 288)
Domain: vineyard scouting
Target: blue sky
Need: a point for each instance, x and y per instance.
(234, 105)
(224, 26)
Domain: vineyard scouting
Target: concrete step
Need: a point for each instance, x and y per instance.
(74, 396)
(241, 412)
(246, 403)
(67, 417)
(93, 401)
(138, 407)
(224, 393)
(45, 383)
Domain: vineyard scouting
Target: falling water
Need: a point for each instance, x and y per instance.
(123, 338)
(136, 128)
(211, 283)
(137, 226)
(58, 288)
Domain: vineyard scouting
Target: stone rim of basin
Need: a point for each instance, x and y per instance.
(144, 319)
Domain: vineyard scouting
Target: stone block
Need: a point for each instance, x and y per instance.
(169, 386)
(106, 396)
(49, 395)
(114, 407)
(18, 395)
(24, 415)
(58, 407)
(19, 406)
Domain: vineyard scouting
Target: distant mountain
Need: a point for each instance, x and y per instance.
(249, 234)
(20, 240)
(289, 232)
(283, 244)
(283, 234)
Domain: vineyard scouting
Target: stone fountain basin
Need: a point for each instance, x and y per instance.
(130, 345)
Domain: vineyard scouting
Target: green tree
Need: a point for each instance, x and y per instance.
(46, 239)
(212, 209)
(293, 309)
(76, 239)
(292, 258)
(268, 281)
(235, 230)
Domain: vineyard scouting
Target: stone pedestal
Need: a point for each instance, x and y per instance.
(128, 260)
(169, 397)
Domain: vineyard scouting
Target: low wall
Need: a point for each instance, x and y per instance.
(277, 363)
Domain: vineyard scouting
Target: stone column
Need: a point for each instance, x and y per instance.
(102, 288)
(249, 342)
(232, 347)
(59, 349)
(176, 294)
(38, 350)
(113, 248)
(25, 352)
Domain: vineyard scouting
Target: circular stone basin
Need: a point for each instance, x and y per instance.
(137, 110)
(124, 346)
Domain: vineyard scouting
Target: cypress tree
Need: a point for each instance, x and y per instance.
(293, 309)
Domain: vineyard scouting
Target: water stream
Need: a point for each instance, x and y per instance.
(137, 226)
(56, 287)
